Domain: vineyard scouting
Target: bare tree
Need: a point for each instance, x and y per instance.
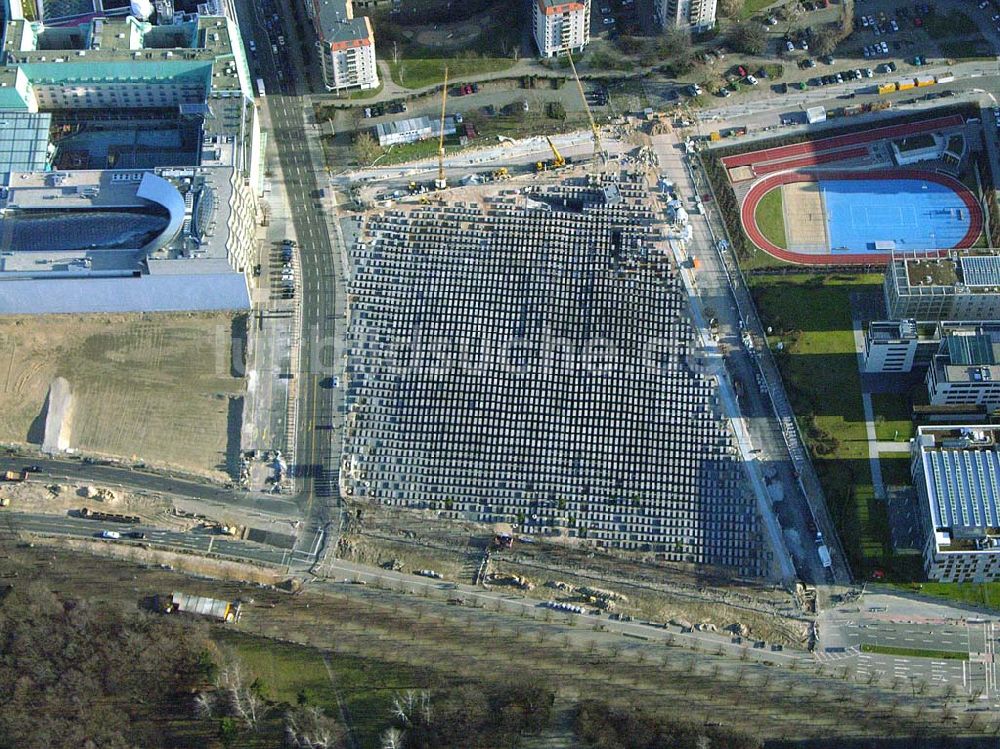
(309, 728)
(243, 700)
(392, 738)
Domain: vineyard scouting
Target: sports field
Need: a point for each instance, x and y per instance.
(858, 217)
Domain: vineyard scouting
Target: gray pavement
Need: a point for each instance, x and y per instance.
(198, 542)
(721, 293)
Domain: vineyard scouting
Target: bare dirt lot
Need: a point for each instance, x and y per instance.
(157, 388)
(653, 590)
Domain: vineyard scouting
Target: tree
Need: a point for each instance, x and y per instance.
(748, 38)
(730, 8)
(675, 44)
(310, 728)
(825, 40)
(366, 148)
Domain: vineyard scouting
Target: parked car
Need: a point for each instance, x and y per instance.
(111, 535)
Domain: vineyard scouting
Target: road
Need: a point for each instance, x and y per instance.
(138, 480)
(191, 541)
(313, 226)
(757, 417)
(515, 603)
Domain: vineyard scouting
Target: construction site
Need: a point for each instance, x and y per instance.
(524, 353)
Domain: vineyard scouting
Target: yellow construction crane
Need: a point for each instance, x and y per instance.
(441, 183)
(557, 158)
(600, 155)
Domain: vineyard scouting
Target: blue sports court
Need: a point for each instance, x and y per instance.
(912, 214)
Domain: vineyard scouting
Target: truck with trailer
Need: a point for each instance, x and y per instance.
(108, 517)
(824, 556)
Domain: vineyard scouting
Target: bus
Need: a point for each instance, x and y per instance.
(260, 88)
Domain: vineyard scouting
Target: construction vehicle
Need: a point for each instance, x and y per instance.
(501, 173)
(557, 158)
(441, 183)
(110, 517)
(15, 475)
(600, 155)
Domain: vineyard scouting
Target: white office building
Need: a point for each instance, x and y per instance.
(690, 15)
(958, 285)
(560, 26)
(965, 371)
(956, 472)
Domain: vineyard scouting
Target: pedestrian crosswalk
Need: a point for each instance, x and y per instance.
(830, 655)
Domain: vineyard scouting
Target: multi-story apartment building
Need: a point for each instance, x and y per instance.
(957, 285)
(693, 15)
(956, 472)
(560, 26)
(347, 46)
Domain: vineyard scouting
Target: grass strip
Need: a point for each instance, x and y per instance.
(941, 655)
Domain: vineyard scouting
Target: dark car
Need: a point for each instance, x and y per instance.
(33, 469)
(138, 535)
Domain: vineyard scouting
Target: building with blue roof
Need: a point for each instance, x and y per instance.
(956, 472)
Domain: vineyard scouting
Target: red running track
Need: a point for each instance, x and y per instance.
(814, 159)
(840, 141)
(748, 213)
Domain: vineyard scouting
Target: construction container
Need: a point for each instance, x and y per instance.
(925, 80)
(886, 88)
(946, 78)
(906, 84)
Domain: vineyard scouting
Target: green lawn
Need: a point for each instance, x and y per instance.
(365, 686)
(753, 6)
(940, 655)
(811, 316)
(417, 73)
(978, 594)
(955, 23)
(770, 217)
(973, 49)
(892, 416)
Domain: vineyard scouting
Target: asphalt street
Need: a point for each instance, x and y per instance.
(317, 453)
(138, 480)
(192, 541)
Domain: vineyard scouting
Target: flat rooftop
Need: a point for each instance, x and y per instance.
(937, 272)
(961, 471)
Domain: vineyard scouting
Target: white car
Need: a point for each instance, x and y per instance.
(609, 21)
(113, 535)
(789, 46)
(751, 80)
(804, 45)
